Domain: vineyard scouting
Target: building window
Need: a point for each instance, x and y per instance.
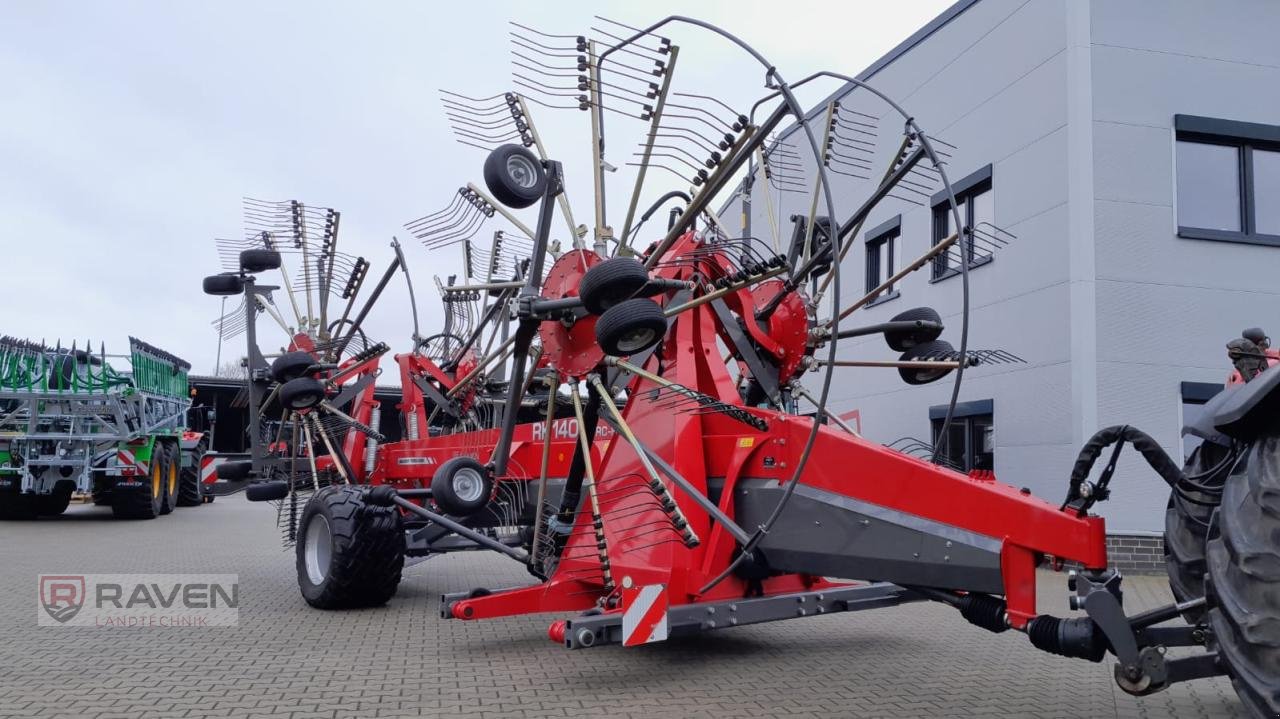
(975, 203)
(1228, 177)
(881, 243)
(969, 443)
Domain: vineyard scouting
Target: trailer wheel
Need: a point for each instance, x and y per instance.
(610, 282)
(514, 176)
(631, 327)
(17, 506)
(56, 502)
(190, 491)
(461, 486)
(1244, 580)
(170, 477)
(349, 553)
(142, 502)
(1186, 531)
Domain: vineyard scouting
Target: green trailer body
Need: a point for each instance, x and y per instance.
(71, 422)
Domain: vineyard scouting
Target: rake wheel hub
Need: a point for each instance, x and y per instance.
(571, 348)
(788, 325)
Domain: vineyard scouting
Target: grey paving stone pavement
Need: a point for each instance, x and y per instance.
(287, 661)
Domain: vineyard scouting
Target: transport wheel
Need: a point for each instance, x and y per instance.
(223, 285)
(1244, 580)
(259, 260)
(461, 486)
(514, 176)
(142, 502)
(610, 282)
(631, 327)
(349, 553)
(56, 502)
(170, 478)
(925, 351)
(301, 393)
(190, 491)
(902, 341)
(1186, 529)
(291, 365)
(17, 506)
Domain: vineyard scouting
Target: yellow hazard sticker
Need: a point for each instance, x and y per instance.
(744, 442)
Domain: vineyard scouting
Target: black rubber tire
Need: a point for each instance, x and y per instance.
(223, 285)
(367, 550)
(56, 502)
(611, 282)
(291, 365)
(170, 477)
(1243, 583)
(272, 491)
(301, 393)
(259, 260)
(190, 490)
(1186, 531)
(444, 492)
(926, 350)
(139, 502)
(903, 341)
(15, 506)
(631, 327)
(508, 189)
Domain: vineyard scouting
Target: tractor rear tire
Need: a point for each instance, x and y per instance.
(1244, 580)
(1186, 531)
(349, 553)
(190, 491)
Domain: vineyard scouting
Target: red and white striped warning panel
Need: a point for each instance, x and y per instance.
(128, 464)
(209, 466)
(644, 614)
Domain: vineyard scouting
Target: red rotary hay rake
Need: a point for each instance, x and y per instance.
(646, 457)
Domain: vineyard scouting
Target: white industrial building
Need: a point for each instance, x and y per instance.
(1133, 148)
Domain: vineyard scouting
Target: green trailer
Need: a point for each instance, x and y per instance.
(70, 422)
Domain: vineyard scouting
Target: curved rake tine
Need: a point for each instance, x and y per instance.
(425, 226)
(544, 49)
(998, 230)
(454, 202)
(494, 139)
(465, 232)
(471, 99)
(481, 124)
(473, 111)
(443, 229)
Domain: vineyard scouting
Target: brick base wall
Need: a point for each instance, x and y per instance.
(1136, 554)
(1132, 554)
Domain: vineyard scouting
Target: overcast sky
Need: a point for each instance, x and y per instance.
(130, 131)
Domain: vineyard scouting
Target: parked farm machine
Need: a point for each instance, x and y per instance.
(70, 422)
(626, 421)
